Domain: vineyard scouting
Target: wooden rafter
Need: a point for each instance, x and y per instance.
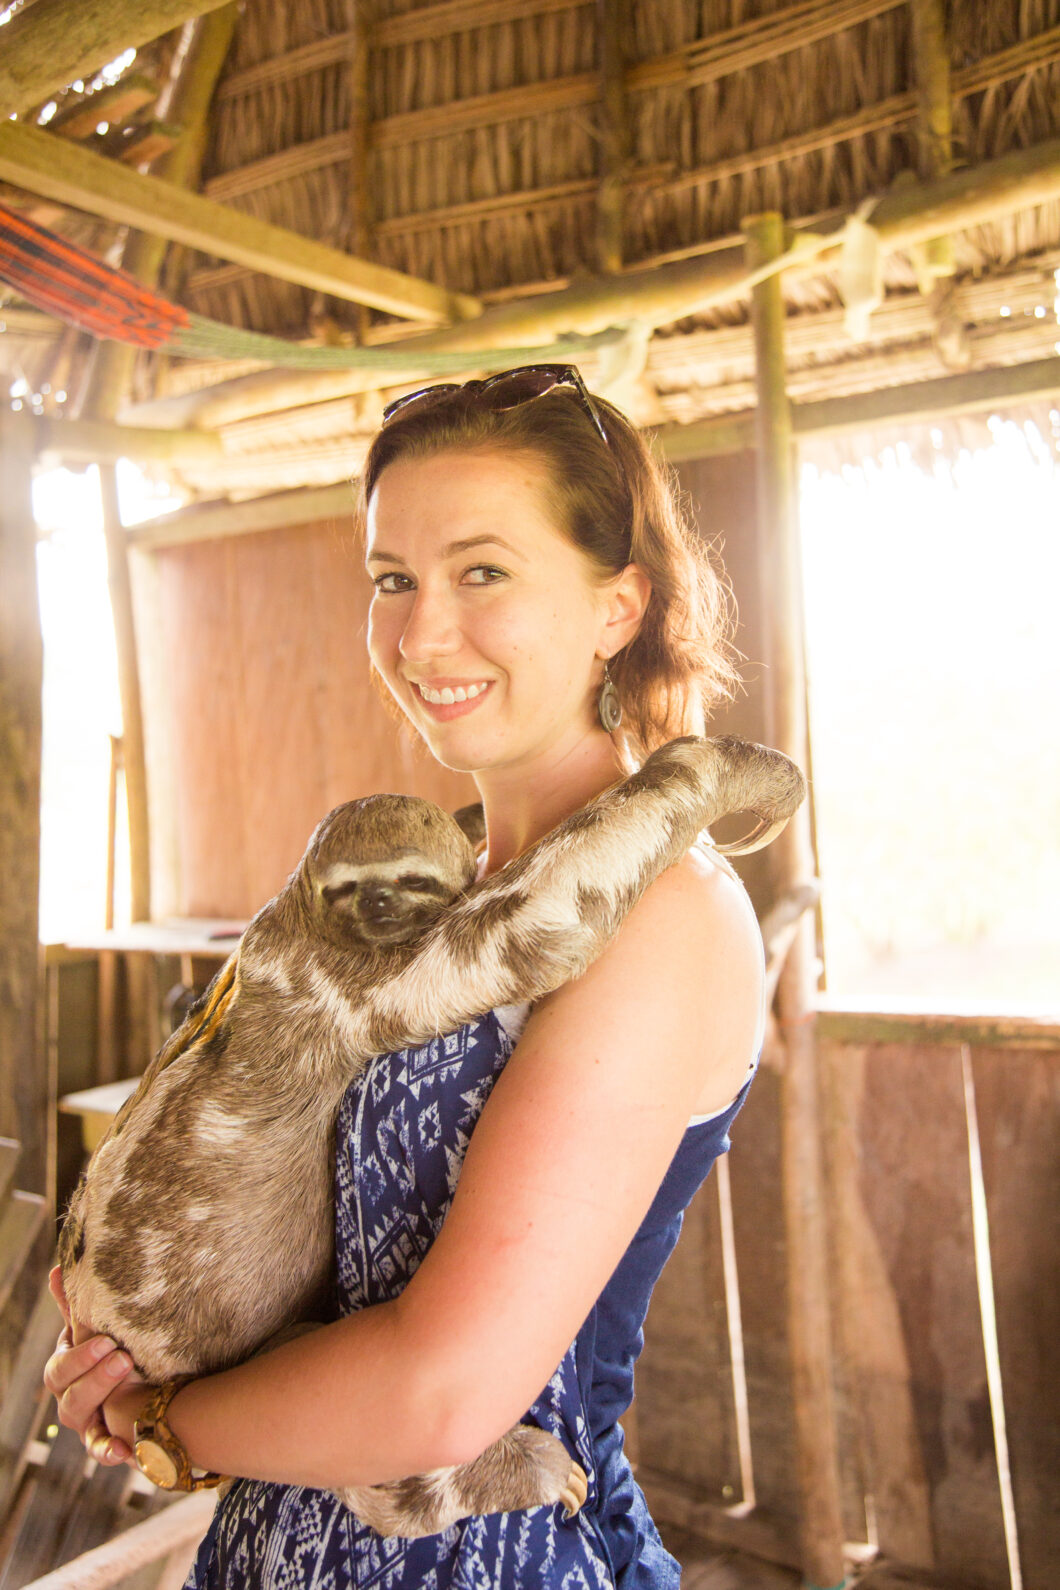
(74, 176)
(55, 42)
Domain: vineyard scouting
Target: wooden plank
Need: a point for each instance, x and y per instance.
(10, 1154)
(113, 103)
(71, 175)
(909, 1302)
(761, 1248)
(1018, 1108)
(55, 1489)
(21, 1219)
(921, 1030)
(23, 1403)
(55, 42)
(686, 1418)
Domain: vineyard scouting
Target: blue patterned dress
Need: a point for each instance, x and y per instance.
(402, 1134)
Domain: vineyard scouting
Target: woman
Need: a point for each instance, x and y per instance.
(534, 584)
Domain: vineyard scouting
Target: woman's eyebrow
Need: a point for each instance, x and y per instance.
(379, 556)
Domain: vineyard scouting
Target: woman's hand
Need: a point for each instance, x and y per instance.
(81, 1379)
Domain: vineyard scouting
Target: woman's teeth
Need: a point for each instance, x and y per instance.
(446, 697)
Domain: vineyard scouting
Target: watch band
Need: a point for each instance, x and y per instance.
(159, 1454)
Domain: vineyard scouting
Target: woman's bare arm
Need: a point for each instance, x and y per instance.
(562, 1167)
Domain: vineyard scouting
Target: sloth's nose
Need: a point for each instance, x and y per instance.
(376, 899)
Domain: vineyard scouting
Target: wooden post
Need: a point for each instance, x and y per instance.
(361, 208)
(54, 42)
(23, 1080)
(614, 134)
(129, 688)
(111, 374)
(791, 864)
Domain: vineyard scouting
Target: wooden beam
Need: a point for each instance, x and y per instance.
(913, 1028)
(52, 43)
(970, 197)
(114, 103)
(28, 323)
(103, 442)
(23, 1077)
(74, 176)
(284, 510)
(791, 862)
(915, 403)
(969, 393)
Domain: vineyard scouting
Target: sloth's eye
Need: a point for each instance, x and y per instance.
(417, 885)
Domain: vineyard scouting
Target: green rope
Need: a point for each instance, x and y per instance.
(203, 338)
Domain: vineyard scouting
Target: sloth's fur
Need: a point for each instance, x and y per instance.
(203, 1224)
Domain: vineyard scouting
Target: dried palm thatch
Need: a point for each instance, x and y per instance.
(472, 143)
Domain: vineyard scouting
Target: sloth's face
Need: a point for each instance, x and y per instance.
(386, 904)
(380, 869)
(486, 620)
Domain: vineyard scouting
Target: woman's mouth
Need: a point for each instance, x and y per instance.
(452, 700)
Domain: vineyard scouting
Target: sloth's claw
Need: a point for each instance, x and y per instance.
(575, 1491)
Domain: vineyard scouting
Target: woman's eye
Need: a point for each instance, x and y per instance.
(392, 584)
(483, 574)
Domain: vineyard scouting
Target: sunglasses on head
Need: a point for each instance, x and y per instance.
(507, 390)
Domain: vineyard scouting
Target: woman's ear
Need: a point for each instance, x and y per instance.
(627, 597)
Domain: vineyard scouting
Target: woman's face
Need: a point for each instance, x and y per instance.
(486, 621)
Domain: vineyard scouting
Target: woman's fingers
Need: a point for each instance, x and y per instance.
(81, 1378)
(104, 1447)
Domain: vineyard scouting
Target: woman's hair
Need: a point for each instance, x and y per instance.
(618, 504)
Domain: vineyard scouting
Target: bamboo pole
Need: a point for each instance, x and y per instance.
(613, 134)
(791, 863)
(360, 158)
(134, 759)
(53, 43)
(23, 1075)
(935, 259)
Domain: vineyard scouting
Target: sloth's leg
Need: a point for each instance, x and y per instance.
(527, 1467)
(539, 922)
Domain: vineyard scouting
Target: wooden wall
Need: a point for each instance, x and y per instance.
(920, 1459)
(260, 686)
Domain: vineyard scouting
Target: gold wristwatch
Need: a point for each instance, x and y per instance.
(159, 1454)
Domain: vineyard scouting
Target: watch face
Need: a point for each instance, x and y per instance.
(154, 1461)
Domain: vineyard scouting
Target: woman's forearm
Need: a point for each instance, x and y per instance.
(357, 1402)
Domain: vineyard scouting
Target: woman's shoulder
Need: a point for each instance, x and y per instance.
(684, 974)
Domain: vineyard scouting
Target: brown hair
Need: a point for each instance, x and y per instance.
(618, 504)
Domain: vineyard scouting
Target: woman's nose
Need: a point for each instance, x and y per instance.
(430, 629)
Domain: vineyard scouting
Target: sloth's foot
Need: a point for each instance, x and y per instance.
(527, 1467)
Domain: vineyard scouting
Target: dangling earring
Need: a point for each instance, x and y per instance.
(608, 705)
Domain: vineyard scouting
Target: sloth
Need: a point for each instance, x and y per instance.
(201, 1230)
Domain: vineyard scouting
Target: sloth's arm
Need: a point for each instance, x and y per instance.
(529, 929)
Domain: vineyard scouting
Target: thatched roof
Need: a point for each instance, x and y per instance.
(468, 143)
